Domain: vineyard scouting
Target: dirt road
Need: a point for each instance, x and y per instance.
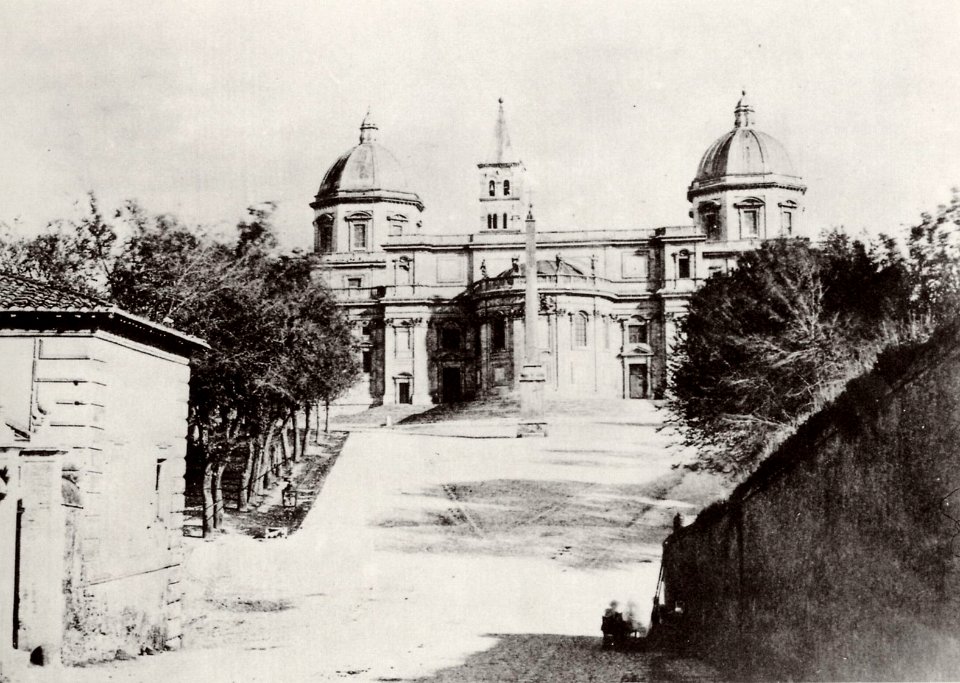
(438, 558)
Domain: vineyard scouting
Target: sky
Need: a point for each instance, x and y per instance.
(201, 108)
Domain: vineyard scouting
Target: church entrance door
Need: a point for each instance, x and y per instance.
(452, 391)
(403, 392)
(638, 380)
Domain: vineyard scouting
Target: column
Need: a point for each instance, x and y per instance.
(624, 366)
(421, 366)
(563, 351)
(389, 357)
(597, 340)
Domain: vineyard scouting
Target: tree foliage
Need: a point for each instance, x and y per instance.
(278, 341)
(934, 247)
(768, 342)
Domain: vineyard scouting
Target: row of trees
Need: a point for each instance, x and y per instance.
(279, 345)
(765, 345)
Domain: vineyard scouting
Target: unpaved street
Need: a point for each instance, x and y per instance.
(439, 558)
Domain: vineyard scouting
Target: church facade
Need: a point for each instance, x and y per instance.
(439, 316)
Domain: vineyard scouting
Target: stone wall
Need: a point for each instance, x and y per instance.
(840, 557)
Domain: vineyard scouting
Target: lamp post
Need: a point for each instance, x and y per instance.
(533, 375)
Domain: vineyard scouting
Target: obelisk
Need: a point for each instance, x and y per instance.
(532, 376)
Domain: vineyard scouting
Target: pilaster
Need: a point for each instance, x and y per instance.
(42, 603)
(421, 367)
(389, 360)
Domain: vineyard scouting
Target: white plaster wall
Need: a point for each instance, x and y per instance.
(121, 408)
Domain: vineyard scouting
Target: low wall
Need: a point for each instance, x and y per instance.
(840, 557)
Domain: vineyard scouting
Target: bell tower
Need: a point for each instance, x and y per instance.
(502, 183)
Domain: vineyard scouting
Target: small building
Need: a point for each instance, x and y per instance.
(93, 426)
(438, 312)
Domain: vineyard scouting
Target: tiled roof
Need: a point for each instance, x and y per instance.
(42, 306)
(21, 294)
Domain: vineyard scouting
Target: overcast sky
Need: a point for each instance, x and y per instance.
(201, 108)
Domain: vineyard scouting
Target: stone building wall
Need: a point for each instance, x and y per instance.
(839, 558)
(117, 409)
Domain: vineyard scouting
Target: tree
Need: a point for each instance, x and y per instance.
(71, 253)
(767, 343)
(278, 341)
(934, 247)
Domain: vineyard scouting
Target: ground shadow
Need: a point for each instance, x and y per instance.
(581, 524)
(572, 659)
(474, 410)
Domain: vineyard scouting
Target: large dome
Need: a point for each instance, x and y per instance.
(744, 155)
(368, 171)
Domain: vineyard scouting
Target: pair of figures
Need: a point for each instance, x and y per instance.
(617, 627)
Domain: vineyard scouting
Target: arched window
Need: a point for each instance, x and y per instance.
(489, 221)
(494, 221)
(580, 330)
(506, 188)
(504, 221)
(492, 189)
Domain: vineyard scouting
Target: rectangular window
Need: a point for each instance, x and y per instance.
(367, 360)
(160, 490)
(359, 234)
(751, 223)
(711, 225)
(450, 338)
(403, 341)
(787, 222)
(637, 333)
(354, 282)
(498, 334)
(683, 266)
(325, 238)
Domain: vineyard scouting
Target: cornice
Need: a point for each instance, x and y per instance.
(371, 197)
(730, 183)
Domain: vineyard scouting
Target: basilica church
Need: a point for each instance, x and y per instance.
(439, 315)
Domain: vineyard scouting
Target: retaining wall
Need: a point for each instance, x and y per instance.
(840, 557)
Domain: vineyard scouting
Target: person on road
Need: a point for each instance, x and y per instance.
(613, 626)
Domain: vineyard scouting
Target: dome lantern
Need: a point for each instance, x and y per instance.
(743, 113)
(368, 129)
